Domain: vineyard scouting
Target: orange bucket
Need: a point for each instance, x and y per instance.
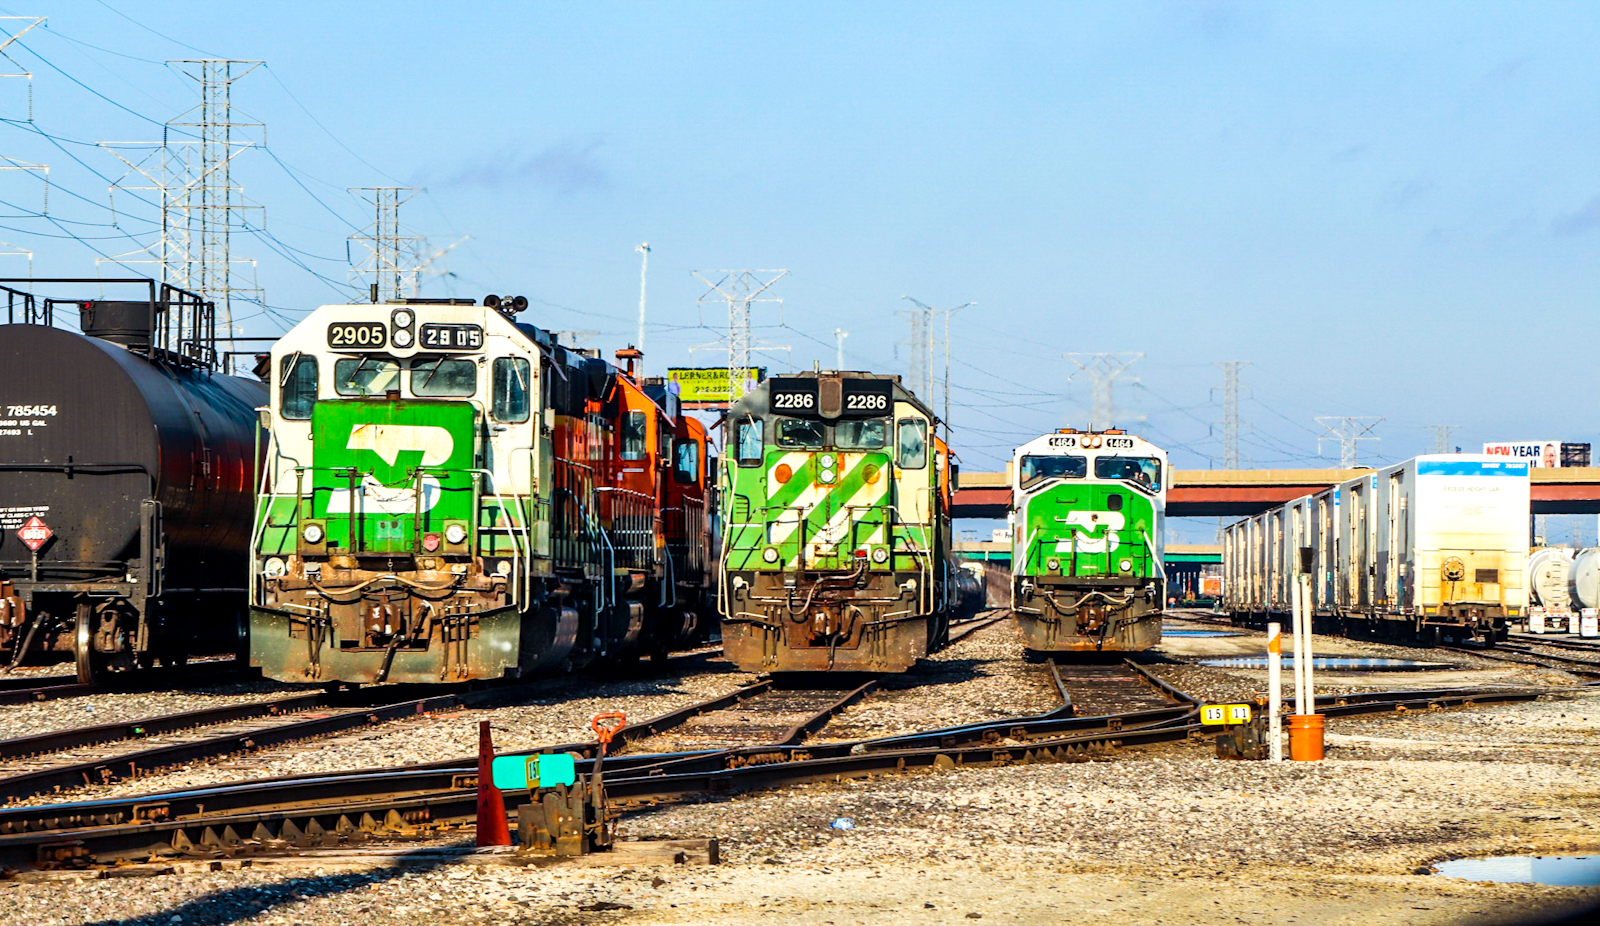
(1305, 737)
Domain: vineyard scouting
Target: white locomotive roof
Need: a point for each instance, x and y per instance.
(1088, 442)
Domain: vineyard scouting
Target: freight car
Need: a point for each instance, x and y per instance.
(136, 455)
(1428, 550)
(1088, 510)
(836, 510)
(450, 494)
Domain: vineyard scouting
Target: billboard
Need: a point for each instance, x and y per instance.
(708, 387)
(1541, 452)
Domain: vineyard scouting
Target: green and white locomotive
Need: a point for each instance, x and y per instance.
(1088, 510)
(836, 514)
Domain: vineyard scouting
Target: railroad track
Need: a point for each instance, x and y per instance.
(1522, 655)
(99, 755)
(311, 811)
(1538, 639)
(35, 688)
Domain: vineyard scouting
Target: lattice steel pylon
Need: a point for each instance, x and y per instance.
(1348, 431)
(1105, 369)
(739, 289)
(8, 163)
(201, 206)
(1231, 458)
(391, 266)
(1441, 436)
(923, 334)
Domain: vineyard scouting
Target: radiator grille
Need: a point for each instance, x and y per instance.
(1487, 577)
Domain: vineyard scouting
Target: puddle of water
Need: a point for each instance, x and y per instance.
(1351, 663)
(1184, 632)
(1526, 869)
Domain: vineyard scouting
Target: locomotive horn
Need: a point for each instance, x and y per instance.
(518, 303)
(491, 301)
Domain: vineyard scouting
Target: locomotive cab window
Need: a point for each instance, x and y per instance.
(1144, 472)
(911, 449)
(443, 378)
(633, 436)
(863, 434)
(1036, 469)
(510, 388)
(799, 434)
(748, 442)
(367, 376)
(297, 387)
(686, 462)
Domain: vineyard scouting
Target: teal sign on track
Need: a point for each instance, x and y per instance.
(522, 773)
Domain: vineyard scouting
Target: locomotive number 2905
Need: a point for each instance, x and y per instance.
(357, 334)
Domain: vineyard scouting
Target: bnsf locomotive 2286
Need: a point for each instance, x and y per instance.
(136, 455)
(452, 495)
(836, 504)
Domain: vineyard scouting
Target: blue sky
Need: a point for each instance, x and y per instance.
(1388, 209)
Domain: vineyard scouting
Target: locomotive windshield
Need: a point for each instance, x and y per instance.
(799, 434)
(863, 434)
(1144, 472)
(367, 376)
(444, 378)
(1037, 469)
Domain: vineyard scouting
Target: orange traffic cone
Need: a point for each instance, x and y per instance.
(492, 829)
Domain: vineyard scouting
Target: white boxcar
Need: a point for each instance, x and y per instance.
(1432, 548)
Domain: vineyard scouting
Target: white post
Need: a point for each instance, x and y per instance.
(1305, 605)
(644, 265)
(1275, 690)
(1296, 624)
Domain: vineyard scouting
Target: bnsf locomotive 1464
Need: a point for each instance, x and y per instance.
(451, 495)
(136, 456)
(1088, 511)
(836, 506)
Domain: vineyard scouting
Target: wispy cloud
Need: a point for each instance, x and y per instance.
(566, 167)
(1576, 223)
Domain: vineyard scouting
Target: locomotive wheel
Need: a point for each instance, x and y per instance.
(83, 644)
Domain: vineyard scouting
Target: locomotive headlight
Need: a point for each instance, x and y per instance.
(402, 318)
(826, 460)
(274, 567)
(401, 338)
(880, 555)
(1127, 565)
(770, 554)
(1054, 564)
(313, 533)
(503, 568)
(455, 533)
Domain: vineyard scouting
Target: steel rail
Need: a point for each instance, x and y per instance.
(189, 823)
(59, 740)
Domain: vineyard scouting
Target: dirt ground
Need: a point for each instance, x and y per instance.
(1164, 835)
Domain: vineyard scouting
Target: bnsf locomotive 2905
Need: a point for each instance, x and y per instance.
(452, 495)
(129, 457)
(1088, 511)
(836, 506)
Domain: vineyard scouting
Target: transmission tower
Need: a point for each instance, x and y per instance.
(1105, 369)
(739, 289)
(11, 163)
(919, 366)
(192, 170)
(390, 266)
(1349, 432)
(1231, 458)
(1441, 436)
